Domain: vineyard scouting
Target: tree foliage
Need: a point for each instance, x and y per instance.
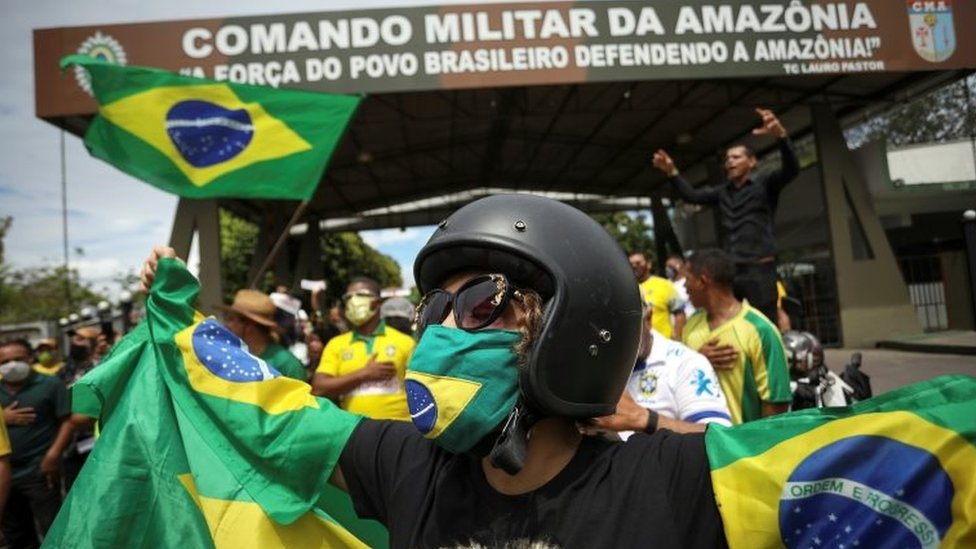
(344, 256)
(238, 240)
(632, 231)
(946, 114)
(40, 293)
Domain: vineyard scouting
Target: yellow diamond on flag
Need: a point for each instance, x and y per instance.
(205, 130)
(439, 399)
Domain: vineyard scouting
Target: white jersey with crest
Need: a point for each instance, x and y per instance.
(678, 383)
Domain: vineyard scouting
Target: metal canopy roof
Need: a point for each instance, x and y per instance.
(411, 158)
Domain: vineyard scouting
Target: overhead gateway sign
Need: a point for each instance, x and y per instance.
(450, 47)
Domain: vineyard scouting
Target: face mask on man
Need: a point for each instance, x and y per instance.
(670, 273)
(15, 371)
(45, 357)
(79, 352)
(359, 309)
(461, 385)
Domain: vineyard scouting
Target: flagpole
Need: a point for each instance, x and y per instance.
(281, 241)
(64, 222)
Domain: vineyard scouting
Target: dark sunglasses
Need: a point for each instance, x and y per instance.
(476, 304)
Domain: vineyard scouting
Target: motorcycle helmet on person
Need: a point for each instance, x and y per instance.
(580, 359)
(804, 351)
(813, 384)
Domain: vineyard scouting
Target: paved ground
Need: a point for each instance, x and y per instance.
(892, 369)
(961, 342)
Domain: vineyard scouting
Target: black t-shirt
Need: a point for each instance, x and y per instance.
(652, 491)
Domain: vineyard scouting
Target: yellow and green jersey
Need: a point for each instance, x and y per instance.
(348, 352)
(51, 370)
(664, 300)
(4, 439)
(761, 374)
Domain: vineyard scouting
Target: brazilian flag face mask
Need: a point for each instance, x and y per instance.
(461, 385)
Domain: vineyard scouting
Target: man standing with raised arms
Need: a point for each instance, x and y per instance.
(747, 206)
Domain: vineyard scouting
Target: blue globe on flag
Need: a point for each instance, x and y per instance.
(226, 356)
(423, 408)
(206, 134)
(866, 491)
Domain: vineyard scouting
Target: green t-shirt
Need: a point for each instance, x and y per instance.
(28, 443)
(282, 360)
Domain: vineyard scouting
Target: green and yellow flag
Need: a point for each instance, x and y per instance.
(204, 445)
(205, 139)
(893, 471)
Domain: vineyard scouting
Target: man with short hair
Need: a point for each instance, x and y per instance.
(661, 295)
(36, 445)
(87, 346)
(251, 317)
(754, 376)
(747, 208)
(363, 369)
(81, 354)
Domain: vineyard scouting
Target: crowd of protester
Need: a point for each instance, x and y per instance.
(43, 445)
(707, 354)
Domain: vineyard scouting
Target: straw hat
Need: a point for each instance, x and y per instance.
(48, 342)
(253, 304)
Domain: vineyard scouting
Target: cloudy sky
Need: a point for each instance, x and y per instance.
(112, 217)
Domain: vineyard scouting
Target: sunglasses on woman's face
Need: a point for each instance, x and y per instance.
(476, 304)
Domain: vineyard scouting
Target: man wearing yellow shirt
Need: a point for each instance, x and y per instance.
(363, 369)
(661, 295)
(743, 345)
(48, 360)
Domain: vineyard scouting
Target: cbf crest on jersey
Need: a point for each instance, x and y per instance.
(893, 471)
(932, 28)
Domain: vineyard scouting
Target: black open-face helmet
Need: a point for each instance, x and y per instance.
(585, 351)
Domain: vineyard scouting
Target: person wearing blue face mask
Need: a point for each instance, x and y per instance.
(529, 324)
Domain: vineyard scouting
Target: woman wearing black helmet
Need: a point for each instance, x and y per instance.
(529, 323)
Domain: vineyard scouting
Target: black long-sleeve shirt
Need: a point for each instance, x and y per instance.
(746, 213)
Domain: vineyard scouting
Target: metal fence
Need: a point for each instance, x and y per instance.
(926, 289)
(812, 283)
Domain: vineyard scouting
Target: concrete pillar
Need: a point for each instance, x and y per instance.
(873, 298)
(201, 217)
(958, 290)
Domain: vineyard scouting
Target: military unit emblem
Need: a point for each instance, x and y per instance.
(933, 32)
(100, 46)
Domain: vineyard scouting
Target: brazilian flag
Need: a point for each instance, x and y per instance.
(204, 139)
(204, 445)
(898, 470)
